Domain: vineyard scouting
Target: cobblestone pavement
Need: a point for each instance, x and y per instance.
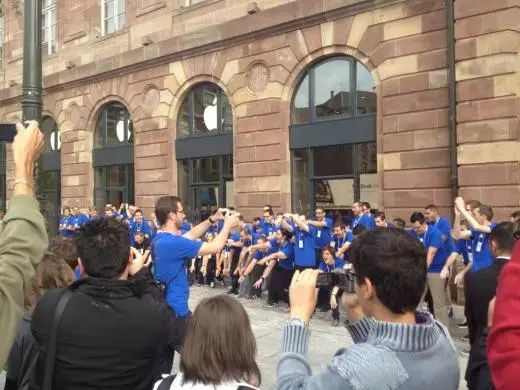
(325, 340)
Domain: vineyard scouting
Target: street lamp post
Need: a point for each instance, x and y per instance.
(32, 101)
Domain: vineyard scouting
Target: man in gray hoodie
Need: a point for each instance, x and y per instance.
(396, 347)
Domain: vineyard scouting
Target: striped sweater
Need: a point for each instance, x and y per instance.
(386, 356)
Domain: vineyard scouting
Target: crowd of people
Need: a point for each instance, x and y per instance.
(106, 304)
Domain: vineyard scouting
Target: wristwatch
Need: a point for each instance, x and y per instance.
(296, 321)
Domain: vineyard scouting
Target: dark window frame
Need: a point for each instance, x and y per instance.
(125, 189)
(350, 128)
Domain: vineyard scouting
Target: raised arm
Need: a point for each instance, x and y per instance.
(461, 206)
(300, 223)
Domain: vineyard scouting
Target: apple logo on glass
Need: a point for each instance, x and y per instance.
(210, 115)
(55, 140)
(120, 130)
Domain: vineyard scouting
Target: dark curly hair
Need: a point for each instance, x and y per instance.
(395, 263)
(103, 246)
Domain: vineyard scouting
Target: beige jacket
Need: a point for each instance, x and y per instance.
(23, 239)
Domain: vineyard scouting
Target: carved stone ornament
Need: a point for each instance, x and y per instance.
(18, 6)
(257, 77)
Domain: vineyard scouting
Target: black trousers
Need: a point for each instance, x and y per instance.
(211, 269)
(199, 278)
(234, 278)
(280, 282)
(324, 300)
(255, 274)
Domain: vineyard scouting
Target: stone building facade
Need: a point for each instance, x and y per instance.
(255, 59)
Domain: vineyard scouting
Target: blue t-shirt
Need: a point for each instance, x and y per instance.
(463, 248)
(78, 221)
(324, 234)
(253, 241)
(136, 227)
(482, 257)
(268, 228)
(275, 246)
(433, 238)
(305, 247)
(339, 242)
(338, 264)
(64, 223)
(288, 251)
(169, 252)
(364, 220)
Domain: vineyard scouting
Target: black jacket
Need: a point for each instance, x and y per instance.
(22, 357)
(110, 335)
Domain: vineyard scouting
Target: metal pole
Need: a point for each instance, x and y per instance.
(452, 98)
(32, 101)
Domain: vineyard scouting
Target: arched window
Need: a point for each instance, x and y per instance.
(332, 136)
(49, 179)
(204, 150)
(113, 157)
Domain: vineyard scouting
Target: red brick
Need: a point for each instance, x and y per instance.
(261, 107)
(408, 198)
(431, 60)
(417, 178)
(474, 89)
(420, 7)
(432, 158)
(430, 139)
(397, 142)
(390, 87)
(465, 8)
(489, 174)
(259, 168)
(501, 196)
(371, 39)
(425, 100)
(482, 24)
(486, 109)
(293, 40)
(390, 124)
(341, 30)
(152, 150)
(384, 51)
(312, 37)
(259, 123)
(414, 83)
(434, 21)
(421, 43)
(74, 169)
(74, 192)
(423, 120)
(258, 199)
(158, 188)
(152, 176)
(267, 137)
(486, 131)
(152, 162)
(465, 49)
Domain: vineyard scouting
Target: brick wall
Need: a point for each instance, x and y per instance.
(487, 50)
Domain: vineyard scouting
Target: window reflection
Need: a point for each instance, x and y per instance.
(328, 90)
(366, 91)
(333, 160)
(114, 126)
(332, 88)
(51, 133)
(301, 103)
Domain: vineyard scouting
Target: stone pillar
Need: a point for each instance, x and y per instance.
(487, 46)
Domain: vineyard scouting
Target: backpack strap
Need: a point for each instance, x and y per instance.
(166, 383)
(51, 348)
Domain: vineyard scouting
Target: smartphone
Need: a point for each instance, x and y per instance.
(344, 280)
(7, 132)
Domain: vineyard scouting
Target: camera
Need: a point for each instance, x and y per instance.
(345, 280)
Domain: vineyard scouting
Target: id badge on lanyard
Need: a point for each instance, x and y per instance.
(480, 242)
(319, 233)
(300, 241)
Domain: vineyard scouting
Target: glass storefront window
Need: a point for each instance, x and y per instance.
(115, 126)
(333, 160)
(366, 99)
(113, 184)
(204, 111)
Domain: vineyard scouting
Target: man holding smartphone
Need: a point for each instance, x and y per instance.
(171, 248)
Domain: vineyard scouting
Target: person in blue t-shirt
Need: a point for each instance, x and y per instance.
(399, 223)
(436, 257)
(253, 271)
(359, 217)
(256, 226)
(77, 220)
(341, 240)
(461, 248)
(323, 225)
(170, 250)
(366, 209)
(328, 296)
(139, 224)
(281, 263)
(92, 213)
(480, 228)
(65, 223)
(442, 223)
(304, 242)
(268, 226)
(380, 220)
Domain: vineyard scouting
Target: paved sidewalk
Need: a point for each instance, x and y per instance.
(325, 340)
